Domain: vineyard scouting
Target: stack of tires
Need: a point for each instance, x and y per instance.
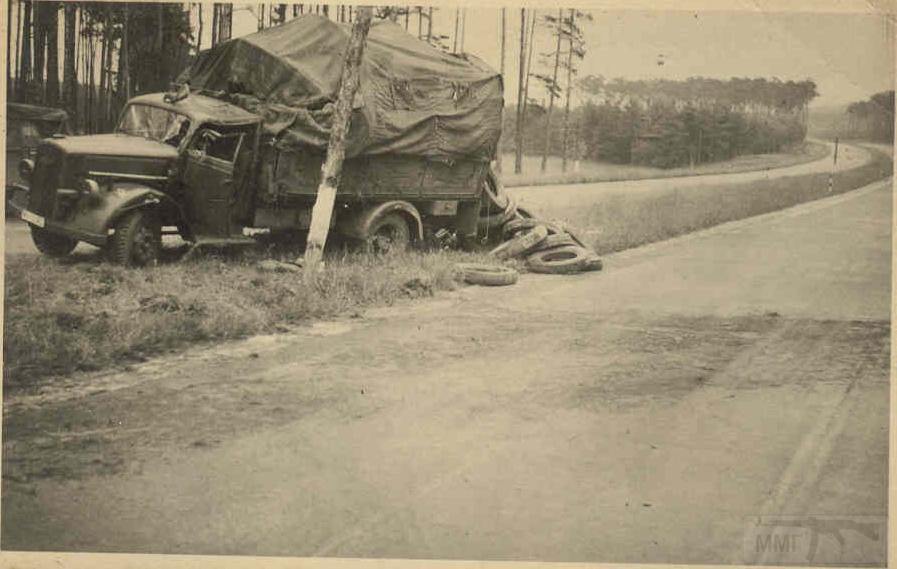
(545, 247)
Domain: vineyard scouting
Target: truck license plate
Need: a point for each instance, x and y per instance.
(32, 218)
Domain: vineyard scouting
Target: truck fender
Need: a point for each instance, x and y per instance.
(128, 196)
(357, 224)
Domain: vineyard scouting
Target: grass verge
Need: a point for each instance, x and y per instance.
(66, 317)
(623, 221)
(605, 172)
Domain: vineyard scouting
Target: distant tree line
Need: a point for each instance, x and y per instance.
(872, 119)
(665, 123)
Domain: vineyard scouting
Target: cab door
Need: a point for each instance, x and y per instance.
(209, 181)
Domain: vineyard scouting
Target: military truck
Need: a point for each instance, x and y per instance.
(236, 148)
(26, 125)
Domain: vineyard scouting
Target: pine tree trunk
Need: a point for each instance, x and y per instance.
(568, 90)
(455, 35)
(89, 69)
(109, 47)
(40, 47)
(551, 96)
(529, 65)
(420, 22)
(101, 94)
(463, 28)
(430, 24)
(215, 17)
(504, 34)
(336, 148)
(124, 61)
(52, 54)
(18, 49)
(25, 64)
(521, 97)
(9, 86)
(199, 25)
(69, 77)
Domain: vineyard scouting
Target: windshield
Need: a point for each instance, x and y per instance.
(154, 123)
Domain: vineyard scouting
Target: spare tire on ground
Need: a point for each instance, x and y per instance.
(563, 260)
(486, 275)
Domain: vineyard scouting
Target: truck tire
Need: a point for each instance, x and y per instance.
(388, 233)
(486, 275)
(498, 219)
(516, 225)
(52, 244)
(556, 240)
(563, 261)
(137, 241)
(521, 244)
(494, 197)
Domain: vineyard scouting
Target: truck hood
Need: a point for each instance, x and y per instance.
(115, 145)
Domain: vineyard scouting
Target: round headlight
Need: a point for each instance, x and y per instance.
(89, 186)
(26, 168)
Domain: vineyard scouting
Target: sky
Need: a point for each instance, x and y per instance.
(849, 55)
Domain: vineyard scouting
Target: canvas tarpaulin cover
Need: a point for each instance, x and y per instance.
(413, 99)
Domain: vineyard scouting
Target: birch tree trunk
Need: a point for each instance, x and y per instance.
(336, 148)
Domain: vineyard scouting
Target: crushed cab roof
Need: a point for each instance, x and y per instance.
(201, 108)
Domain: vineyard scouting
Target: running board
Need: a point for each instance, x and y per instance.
(217, 243)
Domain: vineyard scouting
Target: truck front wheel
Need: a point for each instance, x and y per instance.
(388, 233)
(51, 244)
(137, 240)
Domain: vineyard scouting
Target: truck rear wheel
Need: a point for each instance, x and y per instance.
(137, 241)
(388, 233)
(52, 244)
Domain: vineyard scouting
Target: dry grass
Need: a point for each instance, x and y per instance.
(605, 172)
(64, 317)
(624, 221)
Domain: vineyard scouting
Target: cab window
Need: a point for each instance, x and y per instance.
(219, 145)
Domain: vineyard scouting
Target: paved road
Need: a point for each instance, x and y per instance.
(560, 199)
(648, 413)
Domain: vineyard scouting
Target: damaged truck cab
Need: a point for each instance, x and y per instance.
(168, 164)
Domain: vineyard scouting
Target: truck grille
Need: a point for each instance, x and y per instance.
(45, 180)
